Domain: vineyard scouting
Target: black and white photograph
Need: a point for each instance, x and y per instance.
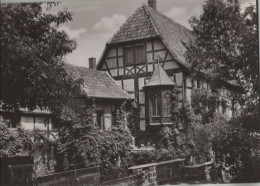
(129, 92)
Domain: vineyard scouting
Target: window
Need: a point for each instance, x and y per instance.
(12, 120)
(135, 55)
(55, 123)
(156, 106)
(224, 110)
(100, 119)
(173, 78)
(198, 83)
(129, 56)
(140, 54)
(166, 104)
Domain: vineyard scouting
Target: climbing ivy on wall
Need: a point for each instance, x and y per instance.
(82, 144)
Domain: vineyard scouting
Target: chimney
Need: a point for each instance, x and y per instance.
(92, 63)
(152, 4)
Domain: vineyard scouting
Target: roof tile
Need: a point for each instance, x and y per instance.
(146, 23)
(159, 77)
(97, 84)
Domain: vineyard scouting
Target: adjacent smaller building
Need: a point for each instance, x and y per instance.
(97, 85)
(31, 120)
(102, 88)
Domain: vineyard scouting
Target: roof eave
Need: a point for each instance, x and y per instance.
(154, 85)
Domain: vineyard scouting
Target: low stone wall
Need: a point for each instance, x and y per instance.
(126, 181)
(79, 177)
(157, 173)
(199, 172)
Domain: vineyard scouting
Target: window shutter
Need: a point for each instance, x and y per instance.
(140, 54)
(129, 55)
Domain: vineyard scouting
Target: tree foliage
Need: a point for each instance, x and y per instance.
(237, 152)
(32, 51)
(218, 34)
(12, 142)
(22, 142)
(225, 48)
(203, 134)
(206, 104)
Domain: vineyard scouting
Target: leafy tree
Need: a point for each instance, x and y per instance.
(225, 48)
(237, 152)
(32, 51)
(206, 104)
(248, 74)
(218, 34)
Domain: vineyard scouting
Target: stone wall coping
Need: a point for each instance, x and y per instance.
(198, 165)
(154, 164)
(68, 172)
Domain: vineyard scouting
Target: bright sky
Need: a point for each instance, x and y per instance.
(95, 21)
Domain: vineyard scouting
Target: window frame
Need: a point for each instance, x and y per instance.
(134, 49)
(157, 105)
(167, 97)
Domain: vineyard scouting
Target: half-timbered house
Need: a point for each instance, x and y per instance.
(146, 57)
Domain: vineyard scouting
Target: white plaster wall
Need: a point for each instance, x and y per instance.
(112, 52)
(170, 65)
(149, 46)
(188, 82)
(27, 122)
(179, 78)
(107, 122)
(158, 45)
(129, 84)
(188, 94)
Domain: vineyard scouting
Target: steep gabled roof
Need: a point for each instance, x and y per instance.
(174, 36)
(148, 23)
(138, 26)
(97, 84)
(160, 78)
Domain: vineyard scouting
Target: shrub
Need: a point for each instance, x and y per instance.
(171, 144)
(81, 144)
(143, 157)
(12, 143)
(202, 136)
(237, 152)
(22, 142)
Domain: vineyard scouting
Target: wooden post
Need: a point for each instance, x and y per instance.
(161, 113)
